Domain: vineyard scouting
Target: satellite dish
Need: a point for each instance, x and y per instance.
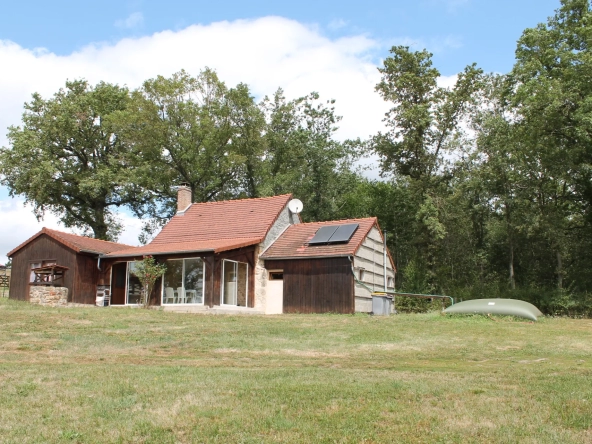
(295, 206)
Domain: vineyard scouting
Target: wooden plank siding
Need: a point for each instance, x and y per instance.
(44, 248)
(316, 285)
(85, 283)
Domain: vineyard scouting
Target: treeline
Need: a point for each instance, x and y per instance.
(486, 187)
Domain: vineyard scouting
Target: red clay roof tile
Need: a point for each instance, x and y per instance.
(229, 219)
(75, 242)
(215, 226)
(293, 243)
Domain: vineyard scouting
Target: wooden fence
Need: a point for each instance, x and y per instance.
(4, 282)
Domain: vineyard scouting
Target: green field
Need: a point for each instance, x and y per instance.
(132, 375)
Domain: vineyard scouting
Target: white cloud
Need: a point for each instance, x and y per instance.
(134, 20)
(265, 53)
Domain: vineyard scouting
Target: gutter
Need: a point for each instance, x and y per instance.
(115, 256)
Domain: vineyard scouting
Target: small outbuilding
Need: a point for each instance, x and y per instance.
(75, 256)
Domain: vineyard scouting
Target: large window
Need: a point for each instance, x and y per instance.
(235, 283)
(184, 281)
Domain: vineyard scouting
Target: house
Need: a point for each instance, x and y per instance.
(247, 255)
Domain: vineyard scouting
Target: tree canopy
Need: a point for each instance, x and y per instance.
(485, 188)
(69, 158)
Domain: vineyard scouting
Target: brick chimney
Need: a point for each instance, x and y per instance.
(183, 197)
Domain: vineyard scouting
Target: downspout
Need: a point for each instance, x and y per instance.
(99, 263)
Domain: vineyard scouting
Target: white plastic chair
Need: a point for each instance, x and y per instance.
(182, 298)
(169, 295)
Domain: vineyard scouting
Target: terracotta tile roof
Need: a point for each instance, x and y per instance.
(215, 226)
(229, 219)
(214, 246)
(293, 243)
(75, 242)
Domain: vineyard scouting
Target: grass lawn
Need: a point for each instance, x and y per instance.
(130, 375)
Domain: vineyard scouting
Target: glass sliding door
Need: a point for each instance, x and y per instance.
(134, 286)
(193, 281)
(173, 280)
(184, 281)
(235, 283)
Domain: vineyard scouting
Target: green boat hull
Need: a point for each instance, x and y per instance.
(508, 307)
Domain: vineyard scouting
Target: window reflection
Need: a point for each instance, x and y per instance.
(134, 285)
(184, 281)
(235, 283)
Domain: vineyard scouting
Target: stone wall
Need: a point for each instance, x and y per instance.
(48, 295)
(284, 220)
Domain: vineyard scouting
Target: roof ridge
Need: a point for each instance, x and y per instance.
(337, 221)
(240, 199)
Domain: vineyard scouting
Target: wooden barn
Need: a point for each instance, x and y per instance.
(247, 255)
(79, 256)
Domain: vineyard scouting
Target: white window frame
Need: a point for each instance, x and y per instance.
(127, 276)
(203, 287)
(222, 283)
(126, 287)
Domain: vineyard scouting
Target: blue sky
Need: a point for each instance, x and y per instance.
(332, 47)
(459, 32)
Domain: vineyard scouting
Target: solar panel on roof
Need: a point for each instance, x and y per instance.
(323, 235)
(344, 233)
(334, 234)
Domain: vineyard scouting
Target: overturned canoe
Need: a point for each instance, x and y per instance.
(508, 307)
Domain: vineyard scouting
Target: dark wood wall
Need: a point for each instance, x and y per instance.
(85, 283)
(44, 248)
(316, 285)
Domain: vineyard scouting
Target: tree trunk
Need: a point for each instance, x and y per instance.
(99, 226)
(511, 276)
(252, 183)
(511, 266)
(559, 271)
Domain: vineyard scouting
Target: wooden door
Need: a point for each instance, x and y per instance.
(118, 283)
(275, 293)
